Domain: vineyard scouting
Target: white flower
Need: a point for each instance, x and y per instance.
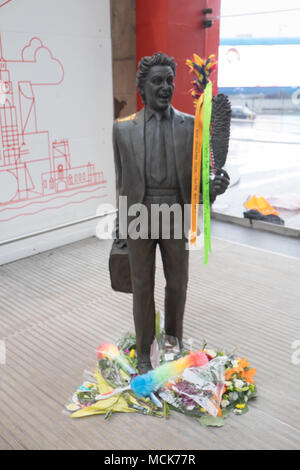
(225, 403)
(190, 407)
(238, 383)
(233, 396)
(235, 363)
(228, 383)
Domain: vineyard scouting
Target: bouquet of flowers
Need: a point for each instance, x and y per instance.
(239, 385)
(225, 383)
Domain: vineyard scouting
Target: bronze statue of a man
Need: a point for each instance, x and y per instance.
(153, 160)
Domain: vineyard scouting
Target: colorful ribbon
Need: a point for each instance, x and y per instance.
(201, 161)
(205, 169)
(196, 168)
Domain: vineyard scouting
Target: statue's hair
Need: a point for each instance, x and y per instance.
(145, 64)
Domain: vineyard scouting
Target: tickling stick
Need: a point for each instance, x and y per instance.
(144, 385)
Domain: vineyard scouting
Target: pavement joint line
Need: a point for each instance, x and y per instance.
(257, 248)
(277, 419)
(45, 322)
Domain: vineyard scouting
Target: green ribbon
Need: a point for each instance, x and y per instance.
(207, 105)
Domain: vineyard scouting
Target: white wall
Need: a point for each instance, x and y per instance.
(56, 160)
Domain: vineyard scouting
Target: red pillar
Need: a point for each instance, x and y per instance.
(175, 27)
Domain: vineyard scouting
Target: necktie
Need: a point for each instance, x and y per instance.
(158, 155)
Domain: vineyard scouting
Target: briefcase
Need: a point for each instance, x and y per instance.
(119, 267)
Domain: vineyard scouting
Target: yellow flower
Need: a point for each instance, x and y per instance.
(132, 353)
(203, 410)
(240, 406)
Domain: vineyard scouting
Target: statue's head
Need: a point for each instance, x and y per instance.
(155, 80)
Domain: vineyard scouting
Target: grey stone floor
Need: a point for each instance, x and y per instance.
(57, 307)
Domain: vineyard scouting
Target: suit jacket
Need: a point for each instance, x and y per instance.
(130, 160)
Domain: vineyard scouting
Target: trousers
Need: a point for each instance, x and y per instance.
(142, 259)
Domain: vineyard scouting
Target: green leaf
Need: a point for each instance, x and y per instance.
(211, 421)
(166, 410)
(157, 324)
(225, 413)
(108, 414)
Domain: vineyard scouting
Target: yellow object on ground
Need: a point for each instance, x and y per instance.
(260, 204)
(114, 404)
(126, 403)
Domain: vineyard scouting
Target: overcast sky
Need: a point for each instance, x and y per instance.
(236, 22)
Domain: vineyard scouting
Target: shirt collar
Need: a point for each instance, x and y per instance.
(149, 113)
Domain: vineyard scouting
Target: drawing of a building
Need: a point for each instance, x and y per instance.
(31, 166)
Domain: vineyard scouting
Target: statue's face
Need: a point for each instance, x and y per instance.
(159, 87)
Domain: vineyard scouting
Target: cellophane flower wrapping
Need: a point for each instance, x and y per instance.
(198, 389)
(209, 392)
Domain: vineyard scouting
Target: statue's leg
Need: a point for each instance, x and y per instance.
(175, 259)
(142, 265)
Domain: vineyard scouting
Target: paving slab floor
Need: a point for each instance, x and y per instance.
(57, 307)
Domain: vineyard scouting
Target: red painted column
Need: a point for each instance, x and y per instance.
(175, 27)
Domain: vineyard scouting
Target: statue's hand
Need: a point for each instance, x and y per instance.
(220, 182)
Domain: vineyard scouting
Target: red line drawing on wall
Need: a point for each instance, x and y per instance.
(10, 208)
(31, 165)
(53, 207)
(4, 2)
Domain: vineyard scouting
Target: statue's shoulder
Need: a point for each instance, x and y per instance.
(187, 118)
(125, 123)
(131, 117)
